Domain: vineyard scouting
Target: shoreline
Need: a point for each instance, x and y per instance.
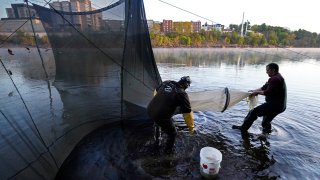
(6, 46)
(227, 46)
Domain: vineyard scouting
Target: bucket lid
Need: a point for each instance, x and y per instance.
(210, 154)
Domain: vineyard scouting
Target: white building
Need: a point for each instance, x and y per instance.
(208, 27)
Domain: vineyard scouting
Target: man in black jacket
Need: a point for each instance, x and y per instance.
(275, 93)
(168, 96)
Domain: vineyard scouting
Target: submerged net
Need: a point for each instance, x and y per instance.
(98, 69)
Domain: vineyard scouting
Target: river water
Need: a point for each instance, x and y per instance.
(290, 152)
(128, 152)
(292, 148)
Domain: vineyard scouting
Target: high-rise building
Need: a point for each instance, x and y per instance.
(83, 22)
(61, 6)
(97, 20)
(82, 5)
(17, 17)
(20, 11)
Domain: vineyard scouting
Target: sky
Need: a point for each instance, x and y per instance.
(290, 14)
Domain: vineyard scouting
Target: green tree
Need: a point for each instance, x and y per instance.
(273, 39)
(184, 40)
(241, 41)
(227, 40)
(264, 41)
(284, 39)
(261, 35)
(235, 27)
(196, 40)
(234, 38)
(175, 41)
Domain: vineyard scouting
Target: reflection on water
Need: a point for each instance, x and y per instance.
(239, 57)
(128, 152)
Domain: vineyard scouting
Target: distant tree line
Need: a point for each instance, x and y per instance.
(22, 38)
(256, 36)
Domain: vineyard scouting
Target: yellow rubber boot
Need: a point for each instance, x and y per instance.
(189, 119)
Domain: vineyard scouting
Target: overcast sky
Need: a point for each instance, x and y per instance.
(285, 13)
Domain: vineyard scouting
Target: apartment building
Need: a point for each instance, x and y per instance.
(196, 26)
(20, 11)
(83, 22)
(18, 17)
(166, 26)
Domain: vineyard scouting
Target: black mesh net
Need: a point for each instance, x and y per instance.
(98, 69)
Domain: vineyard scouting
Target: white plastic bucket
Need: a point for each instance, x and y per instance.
(210, 159)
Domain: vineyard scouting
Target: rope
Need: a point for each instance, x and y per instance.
(188, 11)
(5, 40)
(38, 134)
(44, 68)
(21, 134)
(87, 12)
(218, 23)
(94, 45)
(29, 113)
(7, 71)
(36, 42)
(27, 144)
